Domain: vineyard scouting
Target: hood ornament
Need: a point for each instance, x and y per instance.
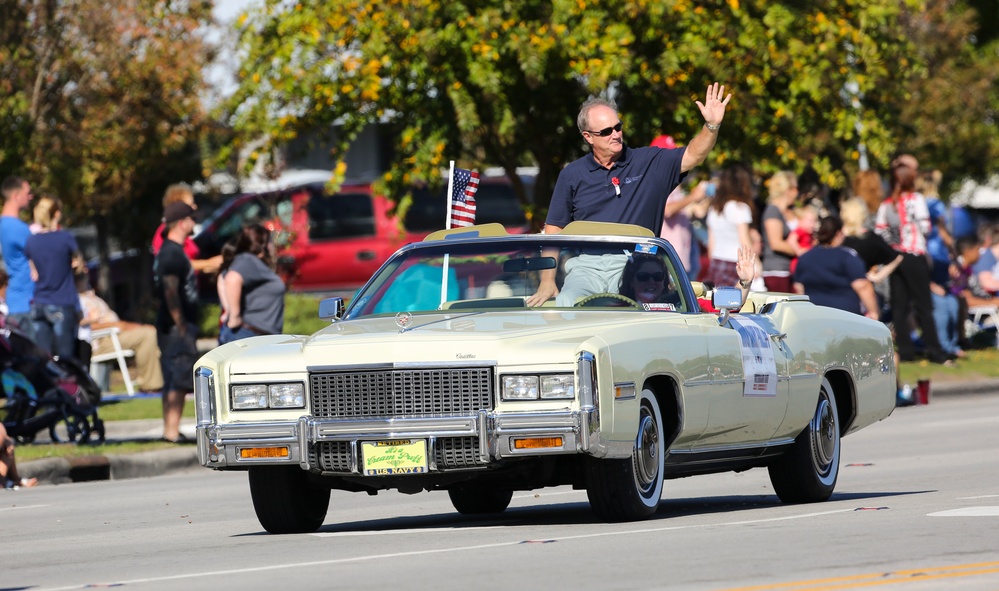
(403, 320)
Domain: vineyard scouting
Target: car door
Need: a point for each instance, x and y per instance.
(342, 245)
(748, 394)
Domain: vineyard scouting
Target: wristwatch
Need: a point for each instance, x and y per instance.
(713, 126)
(745, 284)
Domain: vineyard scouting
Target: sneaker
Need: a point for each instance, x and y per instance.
(904, 396)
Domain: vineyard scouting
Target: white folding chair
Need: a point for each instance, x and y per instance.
(118, 354)
(986, 316)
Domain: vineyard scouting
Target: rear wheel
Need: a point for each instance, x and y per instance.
(285, 501)
(807, 473)
(629, 489)
(479, 500)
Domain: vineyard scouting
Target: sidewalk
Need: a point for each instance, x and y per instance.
(185, 458)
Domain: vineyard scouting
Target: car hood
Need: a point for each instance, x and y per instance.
(526, 337)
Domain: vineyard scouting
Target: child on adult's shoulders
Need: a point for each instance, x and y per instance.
(803, 234)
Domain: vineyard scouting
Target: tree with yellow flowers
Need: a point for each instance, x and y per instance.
(500, 83)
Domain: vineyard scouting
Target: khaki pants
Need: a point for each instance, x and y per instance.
(140, 338)
(588, 274)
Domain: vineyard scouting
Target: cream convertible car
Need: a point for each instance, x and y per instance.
(439, 377)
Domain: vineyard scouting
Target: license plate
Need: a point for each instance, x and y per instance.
(392, 458)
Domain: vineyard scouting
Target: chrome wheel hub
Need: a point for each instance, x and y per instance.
(647, 452)
(824, 436)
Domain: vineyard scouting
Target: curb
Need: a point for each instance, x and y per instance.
(111, 467)
(959, 388)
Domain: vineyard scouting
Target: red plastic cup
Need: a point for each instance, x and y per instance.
(923, 391)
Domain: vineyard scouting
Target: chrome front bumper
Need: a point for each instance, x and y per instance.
(219, 445)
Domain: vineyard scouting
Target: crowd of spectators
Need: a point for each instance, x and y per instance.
(47, 295)
(883, 248)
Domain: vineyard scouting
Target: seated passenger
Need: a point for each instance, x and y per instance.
(645, 280)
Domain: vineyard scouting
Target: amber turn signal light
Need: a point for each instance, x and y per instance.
(250, 453)
(537, 442)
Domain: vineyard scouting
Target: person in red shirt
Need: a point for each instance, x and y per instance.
(803, 235)
(181, 192)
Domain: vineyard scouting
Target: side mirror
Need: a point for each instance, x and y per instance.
(726, 299)
(331, 309)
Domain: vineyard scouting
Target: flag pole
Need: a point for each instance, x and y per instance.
(450, 201)
(447, 226)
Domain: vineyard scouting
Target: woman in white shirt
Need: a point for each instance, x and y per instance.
(729, 219)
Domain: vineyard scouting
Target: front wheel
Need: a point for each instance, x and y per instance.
(285, 501)
(807, 472)
(629, 489)
(479, 500)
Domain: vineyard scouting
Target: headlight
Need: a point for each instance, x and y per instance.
(249, 396)
(545, 387)
(520, 387)
(558, 387)
(286, 395)
(259, 396)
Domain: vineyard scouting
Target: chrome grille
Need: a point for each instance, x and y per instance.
(331, 456)
(457, 452)
(449, 453)
(401, 392)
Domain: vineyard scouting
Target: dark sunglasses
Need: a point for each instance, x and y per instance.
(643, 277)
(607, 130)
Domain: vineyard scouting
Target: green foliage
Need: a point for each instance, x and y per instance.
(100, 104)
(139, 408)
(500, 82)
(209, 325)
(948, 119)
(301, 316)
(979, 364)
(29, 452)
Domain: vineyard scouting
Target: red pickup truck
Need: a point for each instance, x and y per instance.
(335, 242)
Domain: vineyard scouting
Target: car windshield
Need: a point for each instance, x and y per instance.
(636, 274)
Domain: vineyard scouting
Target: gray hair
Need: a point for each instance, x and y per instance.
(583, 119)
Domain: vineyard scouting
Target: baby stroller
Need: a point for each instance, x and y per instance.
(45, 392)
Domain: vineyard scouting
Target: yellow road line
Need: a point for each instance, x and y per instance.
(884, 578)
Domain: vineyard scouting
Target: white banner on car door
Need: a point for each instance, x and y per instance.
(758, 361)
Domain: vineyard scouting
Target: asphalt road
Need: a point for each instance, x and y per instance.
(916, 508)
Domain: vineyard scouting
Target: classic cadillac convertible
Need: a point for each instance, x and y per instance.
(439, 376)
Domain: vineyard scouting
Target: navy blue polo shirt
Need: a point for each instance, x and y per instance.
(828, 274)
(646, 176)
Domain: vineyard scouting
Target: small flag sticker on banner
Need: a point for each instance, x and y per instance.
(464, 184)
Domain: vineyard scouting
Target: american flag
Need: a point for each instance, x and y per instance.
(464, 184)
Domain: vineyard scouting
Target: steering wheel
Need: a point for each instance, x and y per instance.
(607, 299)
